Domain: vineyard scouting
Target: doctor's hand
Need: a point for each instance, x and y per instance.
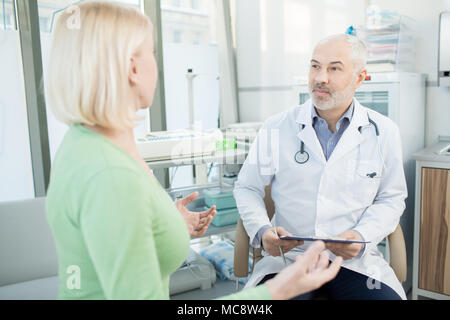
(272, 243)
(346, 250)
(197, 222)
(309, 272)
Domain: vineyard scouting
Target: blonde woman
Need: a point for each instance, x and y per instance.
(118, 234)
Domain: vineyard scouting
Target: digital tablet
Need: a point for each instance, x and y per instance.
(324, 239)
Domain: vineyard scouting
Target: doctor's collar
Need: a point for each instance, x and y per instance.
(347, 114)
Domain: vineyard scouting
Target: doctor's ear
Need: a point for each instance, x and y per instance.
(133, 73)
(361, 76)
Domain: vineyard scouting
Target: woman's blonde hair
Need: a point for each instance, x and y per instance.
(87, 79)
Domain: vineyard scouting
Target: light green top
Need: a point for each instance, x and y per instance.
(117, 232)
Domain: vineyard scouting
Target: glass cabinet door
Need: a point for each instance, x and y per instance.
(375, 100)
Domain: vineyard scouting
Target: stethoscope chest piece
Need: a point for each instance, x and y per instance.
(301, 157)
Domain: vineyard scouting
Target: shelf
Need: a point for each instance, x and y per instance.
(199, 205)
(213, 230)
(234, 156)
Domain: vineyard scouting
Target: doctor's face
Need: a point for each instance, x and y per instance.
(332, 77)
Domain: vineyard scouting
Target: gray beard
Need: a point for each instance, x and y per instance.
(335, 99)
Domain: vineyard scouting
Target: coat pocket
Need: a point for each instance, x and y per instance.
(365, 180)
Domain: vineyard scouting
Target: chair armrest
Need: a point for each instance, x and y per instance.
(397, 253)
(242, 241)
(241, 251)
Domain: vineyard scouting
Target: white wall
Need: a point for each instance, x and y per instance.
(274, 42)
(426, 13)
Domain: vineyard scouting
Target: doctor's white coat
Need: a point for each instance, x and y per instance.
(326, 198)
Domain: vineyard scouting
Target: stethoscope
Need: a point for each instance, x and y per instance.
(302, 156)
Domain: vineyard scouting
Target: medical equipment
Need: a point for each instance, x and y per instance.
(164, 145)
(389, 38)
(243, 132)
(438, 152)
(444, 50)
(229, 178)
(279, 247)
(377, 134)
(190, 76)
(196, 272)
(223, 199)
(199, 171)
(238, 136)
(225, 217)
(445, 151)
(221, 255)
(220, 197)
(302, 156)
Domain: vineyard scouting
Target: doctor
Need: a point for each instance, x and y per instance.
(336, 171)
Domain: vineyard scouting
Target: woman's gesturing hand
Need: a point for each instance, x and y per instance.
(197, 222)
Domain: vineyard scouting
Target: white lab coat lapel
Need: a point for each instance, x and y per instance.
(352, 137)
(308, 134)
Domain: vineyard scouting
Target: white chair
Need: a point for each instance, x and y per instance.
(28, 260)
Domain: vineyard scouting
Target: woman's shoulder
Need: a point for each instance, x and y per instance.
(87, 166)
(84, 159)
(89, 152)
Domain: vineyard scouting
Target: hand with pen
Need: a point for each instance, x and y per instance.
(272, 243)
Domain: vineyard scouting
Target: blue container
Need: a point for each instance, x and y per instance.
(221, 198)
(225, 217)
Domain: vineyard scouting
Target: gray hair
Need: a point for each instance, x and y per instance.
(358, 47)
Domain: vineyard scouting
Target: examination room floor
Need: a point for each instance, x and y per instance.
(219, 289)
